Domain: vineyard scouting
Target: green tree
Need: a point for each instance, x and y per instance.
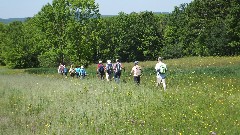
(13, 49)
(67, 25)
(233, 27)
(174, 34)
(203, 28)
(2, 38)
(135, 36)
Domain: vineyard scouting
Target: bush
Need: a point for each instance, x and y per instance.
(41, 70)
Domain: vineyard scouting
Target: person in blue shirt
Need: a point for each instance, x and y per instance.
(77, 71)
(83, 72)
(65, 70)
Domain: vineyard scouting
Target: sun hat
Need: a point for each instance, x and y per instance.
(160, 58)
(108, 61)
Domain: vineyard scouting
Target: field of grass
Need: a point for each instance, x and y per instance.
(202, 98)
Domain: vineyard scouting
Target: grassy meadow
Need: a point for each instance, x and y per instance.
(202, 98)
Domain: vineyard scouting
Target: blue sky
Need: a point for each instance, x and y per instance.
(28, 8)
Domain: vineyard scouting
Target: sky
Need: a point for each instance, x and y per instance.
(28, 8)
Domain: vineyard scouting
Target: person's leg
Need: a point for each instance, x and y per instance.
(158, 81)
(138, 80)
(118, 77)
(110, 77)
(107, 76)
(164, 84)
(135, 79)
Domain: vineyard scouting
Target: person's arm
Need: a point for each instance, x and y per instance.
(97, 68)
(122, 67)
(114, 67)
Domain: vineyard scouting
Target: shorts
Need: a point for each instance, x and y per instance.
(161, 76)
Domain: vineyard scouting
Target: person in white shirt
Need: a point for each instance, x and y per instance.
(161, 69)
(137, 71)
(109, 70)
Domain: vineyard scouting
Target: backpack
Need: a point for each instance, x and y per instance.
(118, 67)
(101, 69)
(83, 72)
(65, 70)
(162, 69)
(138, 71)
(109, 68)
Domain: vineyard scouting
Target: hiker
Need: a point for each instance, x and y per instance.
(72, 71)
(77, 71)
(161, 69)
(137, 72)
(60, 68)
(117, 70)
(109, 70)
(100, 70)
(83, 72)
(65, 70)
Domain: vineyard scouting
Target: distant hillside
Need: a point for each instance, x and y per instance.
(165, 13)
(9, 20)
(6, 21)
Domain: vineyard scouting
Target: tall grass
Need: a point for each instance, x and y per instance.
(202, 97)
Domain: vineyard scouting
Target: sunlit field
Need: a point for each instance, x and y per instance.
(202, 97)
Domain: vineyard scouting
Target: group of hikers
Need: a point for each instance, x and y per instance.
(111, 71)
(78, 71)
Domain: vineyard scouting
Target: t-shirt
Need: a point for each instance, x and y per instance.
(77, 70)
(137, 71)
(82, 72)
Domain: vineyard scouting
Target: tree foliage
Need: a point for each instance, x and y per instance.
(204, 28)
(73, 32)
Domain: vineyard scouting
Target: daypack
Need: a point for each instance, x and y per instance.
(109, 68)
(162, 69)
(138, 70)
(118, 67)
(101, 69)
(72, 70)
(65, 70)
(83, 72)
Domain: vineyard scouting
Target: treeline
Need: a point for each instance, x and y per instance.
(73, 32)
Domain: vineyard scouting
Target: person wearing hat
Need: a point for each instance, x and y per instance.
(117, 70)
(137, 72)
(100, 70)
(83, 72)
(109, 70)
(72, 71)
(161, 69)
(77, 71)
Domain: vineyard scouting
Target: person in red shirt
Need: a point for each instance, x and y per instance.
(100, 70)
